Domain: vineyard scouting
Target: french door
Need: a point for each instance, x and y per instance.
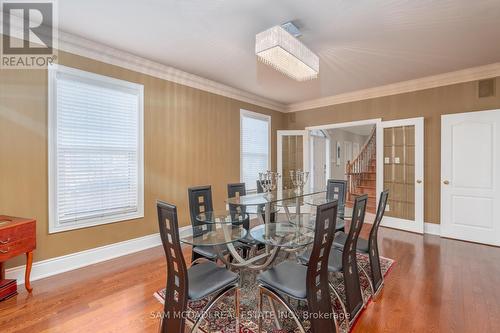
(470, 176)
(319, 147)
(293, 153)
(403, 173)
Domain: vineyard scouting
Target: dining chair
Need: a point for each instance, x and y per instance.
(336, 189)
(236, 190)
(370, 246)
(183, 284)
(200, 201)
(345, 262)
(305, 283)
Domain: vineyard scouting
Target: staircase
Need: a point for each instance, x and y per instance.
(362, 174)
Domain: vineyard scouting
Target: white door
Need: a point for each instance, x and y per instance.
(470, 182)
(403, 173)
(319, 160)
(293, 154)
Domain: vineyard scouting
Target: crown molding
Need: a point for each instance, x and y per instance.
(445, 79)
(100, 52)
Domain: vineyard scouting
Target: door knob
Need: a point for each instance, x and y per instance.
(419, 181)
(446, 182)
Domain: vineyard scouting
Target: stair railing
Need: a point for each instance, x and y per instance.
(361, 164)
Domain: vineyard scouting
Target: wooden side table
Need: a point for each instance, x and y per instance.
(17, 236)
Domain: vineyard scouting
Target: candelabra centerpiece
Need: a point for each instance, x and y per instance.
(299, 178)
(268, 181)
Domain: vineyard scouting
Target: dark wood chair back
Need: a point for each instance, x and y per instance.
(354, 299)
(318, 292)
(259, 187)
(177, 281)
(337, 190)
(376, 275)
(200, 201)
(234, 190)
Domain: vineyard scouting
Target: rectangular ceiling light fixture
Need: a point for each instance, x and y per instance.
(277, 48)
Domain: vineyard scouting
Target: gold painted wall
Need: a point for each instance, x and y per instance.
(430, 103)
(191, 137)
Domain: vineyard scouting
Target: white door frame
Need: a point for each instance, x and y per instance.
(380, 144)
(417, 225)
(305, 151)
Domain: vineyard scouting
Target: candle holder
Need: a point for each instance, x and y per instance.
(268, 181)
(299, 179)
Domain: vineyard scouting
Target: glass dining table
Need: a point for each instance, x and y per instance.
(224, 229)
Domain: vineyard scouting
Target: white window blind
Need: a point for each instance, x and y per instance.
(96, 153)
(255, 154)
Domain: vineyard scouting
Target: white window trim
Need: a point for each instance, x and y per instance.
(54, 226)
(260, 116)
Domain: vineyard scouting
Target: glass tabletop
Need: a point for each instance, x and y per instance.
(256, 199)
(255, 210)
(308, 220)
(284, 235)
(215, 234)
(223, 216)
(320, 199)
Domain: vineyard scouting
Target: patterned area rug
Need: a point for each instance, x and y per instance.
(222, 319)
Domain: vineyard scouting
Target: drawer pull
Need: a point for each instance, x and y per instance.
(3, 242)
(5, 251)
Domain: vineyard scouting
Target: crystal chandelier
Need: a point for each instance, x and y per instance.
(285, 53)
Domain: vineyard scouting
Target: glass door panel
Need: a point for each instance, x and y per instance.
(292, 156)
(403, 173)
(399, 171)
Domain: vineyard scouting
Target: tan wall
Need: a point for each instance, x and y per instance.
(191, 138)
(431, 104)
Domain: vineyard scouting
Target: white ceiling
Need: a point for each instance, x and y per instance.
(361, 44)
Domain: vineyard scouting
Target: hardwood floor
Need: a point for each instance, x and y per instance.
(437, 285)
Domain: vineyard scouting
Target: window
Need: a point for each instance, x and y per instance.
(255, 133)
(95, 149)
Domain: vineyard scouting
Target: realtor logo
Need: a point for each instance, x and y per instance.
(28, 34)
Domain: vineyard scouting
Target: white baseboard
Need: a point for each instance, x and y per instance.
(432, 229)
(69, 262)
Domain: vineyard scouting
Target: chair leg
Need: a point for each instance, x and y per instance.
(273, 310)
(259, 313)
(278, 298)
(209, 306)
(161, 323)
(381, 284)
(344, 309)
(368, 278)
(237, 308)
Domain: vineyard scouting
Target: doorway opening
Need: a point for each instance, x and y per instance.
(371, 155)
(352, 157)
